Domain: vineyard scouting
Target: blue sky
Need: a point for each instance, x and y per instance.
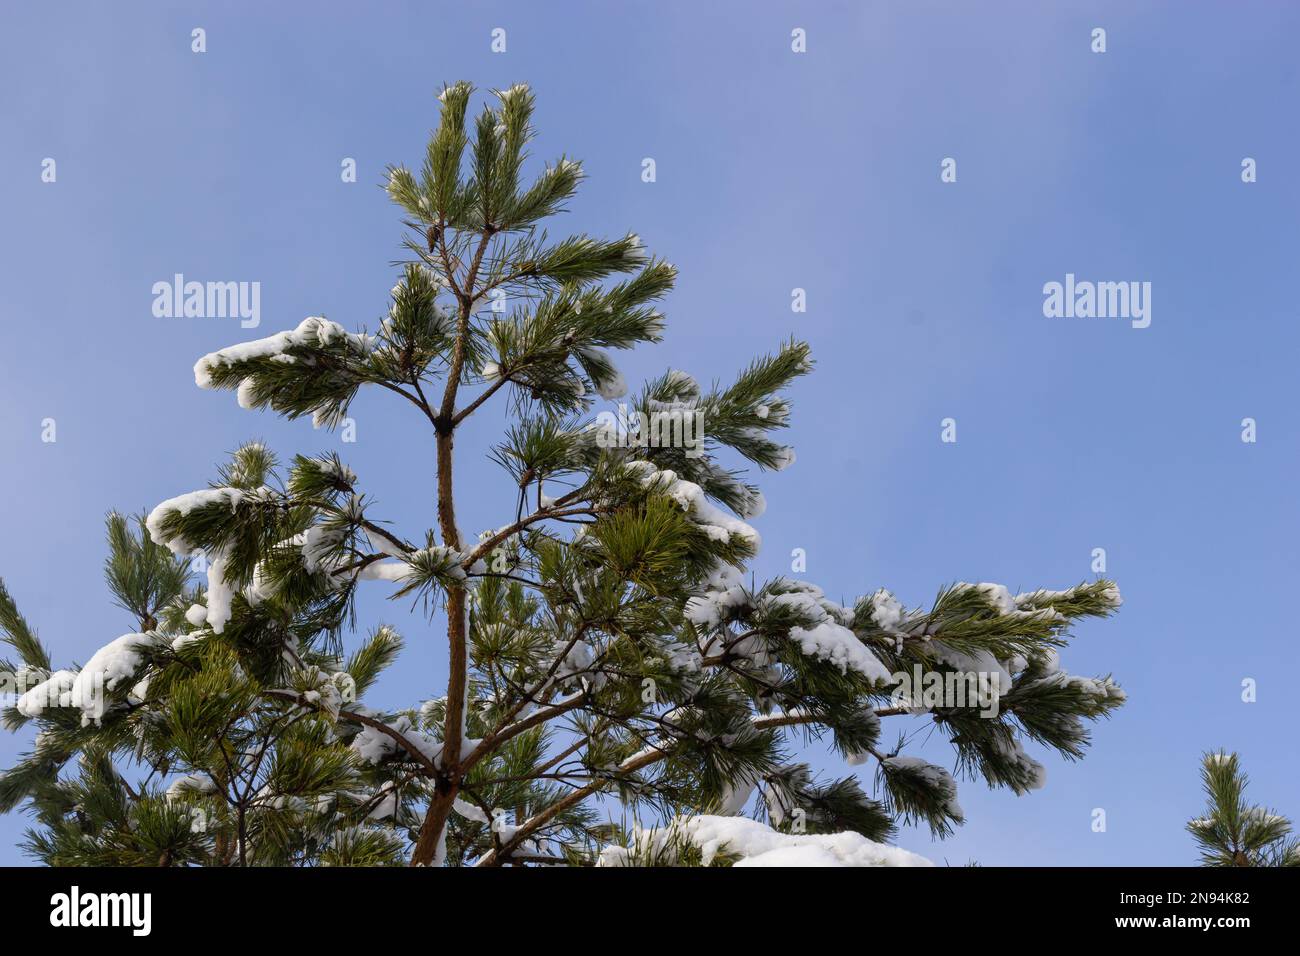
(775, 170)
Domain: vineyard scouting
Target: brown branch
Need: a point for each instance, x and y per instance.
(392, 539)
(473, 406)
(486, 546)
(519, 727)
(396, 735)
(435, 819)
(636, 762)
(448, 271)
(530, 826)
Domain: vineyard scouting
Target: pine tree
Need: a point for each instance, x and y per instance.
(1231, 832)
(621, 691)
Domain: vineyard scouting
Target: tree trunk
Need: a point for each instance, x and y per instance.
(435, 821)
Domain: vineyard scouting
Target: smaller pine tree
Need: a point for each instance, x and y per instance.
(1231, 832)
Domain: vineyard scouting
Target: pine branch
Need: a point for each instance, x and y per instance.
(530, 826)
(18, 634)
(412, 747)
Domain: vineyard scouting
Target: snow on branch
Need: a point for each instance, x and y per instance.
(747, 842)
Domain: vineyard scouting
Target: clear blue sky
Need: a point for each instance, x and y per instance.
(775, 171)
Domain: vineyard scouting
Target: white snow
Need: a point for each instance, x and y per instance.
(1014, 752)
(935, 776)
(1034, 604)
(759, 845)
(183, 505)
(447, 559)
(385, 571)
(785, 458)
(887, 611)
(1110, 596)
(992, 675)
(54, 691)
(809, 854)
(383, 546)
(185, 639)
(736, 795)
(826, 636)
(320, 547)
(311, 332)
(725, 591)
(1104, 689)
(469, 811)
(386, 807)
(823, 633)
(715, 522)
(336, 469)
(681, 385)
(373, 746)
(833, 642)
(109, 666)
(997, 595)
(612, 385)
(755, 505)
(637, 251)
(578, 661)
(220, 593)
(114, 661)
(191, 783)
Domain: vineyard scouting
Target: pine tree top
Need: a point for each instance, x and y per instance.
(621, 688)
(1232, 832)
